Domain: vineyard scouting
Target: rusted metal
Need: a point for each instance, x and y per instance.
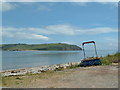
(88, 43)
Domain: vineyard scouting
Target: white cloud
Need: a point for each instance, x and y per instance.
(68, 42)
(71, 30)
(60, 0)
(99, 30)
(21, 33)
(112, 4)
(38, 33)
(5, 6)
(61, 29)
(79, 3)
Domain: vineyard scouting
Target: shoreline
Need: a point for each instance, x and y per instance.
(107, 60)
(69, 75)
(37, 69)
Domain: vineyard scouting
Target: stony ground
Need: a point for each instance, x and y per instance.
(81, 77)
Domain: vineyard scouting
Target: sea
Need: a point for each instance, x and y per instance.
(24, 59)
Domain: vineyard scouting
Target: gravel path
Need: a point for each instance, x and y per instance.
(82, 77)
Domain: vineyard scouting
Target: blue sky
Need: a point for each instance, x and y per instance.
(65, 22)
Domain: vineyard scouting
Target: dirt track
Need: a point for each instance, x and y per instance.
(82, 77)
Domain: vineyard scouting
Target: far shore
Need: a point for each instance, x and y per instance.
(40, 50)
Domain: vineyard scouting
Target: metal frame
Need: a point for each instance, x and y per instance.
(88, 43)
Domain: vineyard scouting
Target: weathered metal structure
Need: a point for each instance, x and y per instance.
(91, 60)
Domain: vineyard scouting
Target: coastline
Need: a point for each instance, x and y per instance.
(108, 60)
(40, 50)
(69, 75)
(38, 69)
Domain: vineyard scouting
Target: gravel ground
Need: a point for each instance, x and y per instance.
(82, 77)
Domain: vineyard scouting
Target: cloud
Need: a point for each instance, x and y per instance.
(61, 29)
(94, 0)
(112, 4)
(6, 6)
(99, 30)
(107, 46)
(65, 29)
(79, 3)
(39, 6)
(60, 0)
(68, 42)
(21, 33)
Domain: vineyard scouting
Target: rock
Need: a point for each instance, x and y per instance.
(115, 64)
(38, 69)
(15, 71)
(116, 61)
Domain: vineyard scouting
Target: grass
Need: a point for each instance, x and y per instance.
(109, 59)
(17, 81)
(74, 66)
(59, 69)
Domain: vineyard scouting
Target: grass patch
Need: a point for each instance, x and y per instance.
(19, 78)
(109, 59)
(73, 66)
(18, 81)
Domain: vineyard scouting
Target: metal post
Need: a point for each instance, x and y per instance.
(83, 51)
(95, 50)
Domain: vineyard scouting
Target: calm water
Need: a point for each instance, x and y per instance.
(22, 59)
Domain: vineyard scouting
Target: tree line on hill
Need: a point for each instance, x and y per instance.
(52, 46)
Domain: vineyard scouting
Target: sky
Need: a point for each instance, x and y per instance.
(60, 22)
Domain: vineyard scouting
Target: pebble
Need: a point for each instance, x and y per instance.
(35, 70)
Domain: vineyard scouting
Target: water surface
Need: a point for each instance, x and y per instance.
(23, 59)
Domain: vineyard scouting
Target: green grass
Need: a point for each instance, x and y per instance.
(109, 59)
(15, 81)
(73, 66)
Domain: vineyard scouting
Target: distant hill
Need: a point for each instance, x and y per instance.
(53, 46)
